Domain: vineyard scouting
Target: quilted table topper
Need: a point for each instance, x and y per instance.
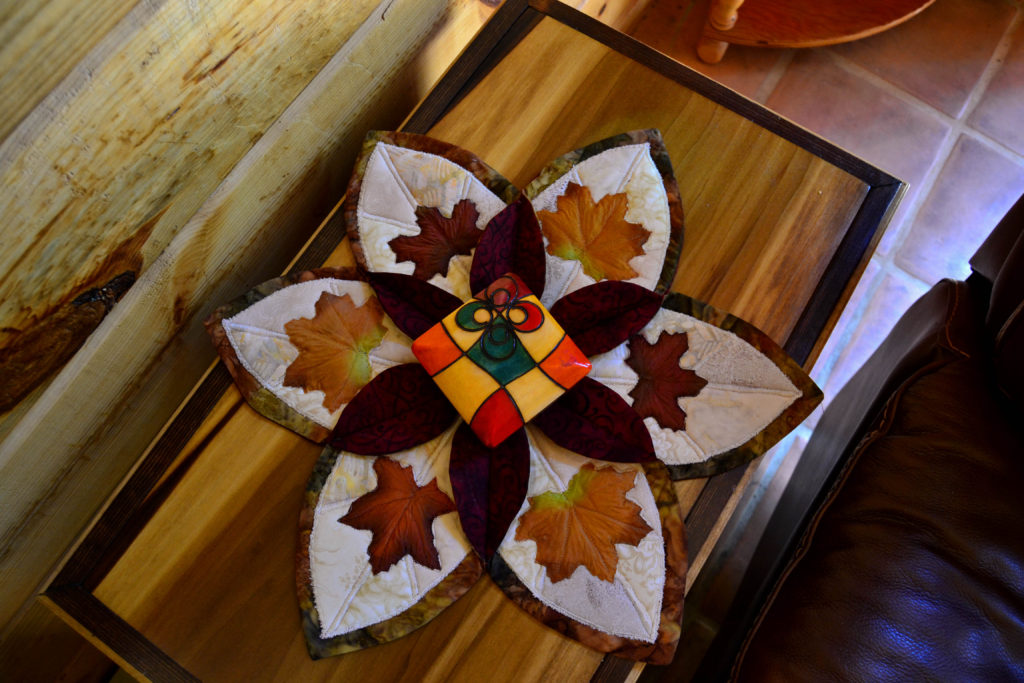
(503, 385)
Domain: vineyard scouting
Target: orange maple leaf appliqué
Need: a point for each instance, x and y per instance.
(580, 527)
(595, 234)
(399, 514)
(661, 381)
(439, 240)
(334, 347)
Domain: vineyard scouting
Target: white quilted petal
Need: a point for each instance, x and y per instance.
(395, 182)
(628, 169)
(348, 595)
(630, 605)
(262, 345)
(745, 390)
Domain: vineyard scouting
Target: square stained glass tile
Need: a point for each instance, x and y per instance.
(500, 359)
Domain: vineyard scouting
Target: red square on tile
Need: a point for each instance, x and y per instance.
(496, 419)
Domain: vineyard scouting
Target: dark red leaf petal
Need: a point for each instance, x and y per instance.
(592, 420)
(489, 485)
(600, 317)
(413, 304)
(512, 243)
(400, 408)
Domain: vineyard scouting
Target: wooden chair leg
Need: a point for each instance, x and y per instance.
(722, 15)
(711, 50)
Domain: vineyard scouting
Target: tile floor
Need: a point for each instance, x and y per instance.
(937, 101)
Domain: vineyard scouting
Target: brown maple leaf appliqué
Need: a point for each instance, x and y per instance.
(662, 382)
(333, 347)
(580, 527)
(595, 234)
(439, 240)
(399, 514)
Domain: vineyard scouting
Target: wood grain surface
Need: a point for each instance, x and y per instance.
(209, 580)
(199, 144)
(40, 43)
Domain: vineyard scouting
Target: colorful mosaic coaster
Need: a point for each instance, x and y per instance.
(501, 359)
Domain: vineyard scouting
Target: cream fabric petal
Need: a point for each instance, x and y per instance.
(745, 390)
(395, 182)
(629, 606)
(258, 337)
(348, 596)
(627, 169)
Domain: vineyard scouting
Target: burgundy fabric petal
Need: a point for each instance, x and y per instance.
(601, 316)
(512, 243)
(489, 486)
(400, 408)
(592, 420)
(413, 304)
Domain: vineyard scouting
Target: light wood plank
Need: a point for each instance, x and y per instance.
(97, 416)
(40, 43)
(209, 580)
(168, 103)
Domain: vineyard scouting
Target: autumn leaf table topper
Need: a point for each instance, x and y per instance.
(503, 385)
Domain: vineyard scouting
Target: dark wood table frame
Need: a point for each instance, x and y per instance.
(71, 591)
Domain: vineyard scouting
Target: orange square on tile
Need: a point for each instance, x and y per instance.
(563, 363)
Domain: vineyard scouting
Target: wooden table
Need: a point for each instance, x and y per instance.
(189, 570)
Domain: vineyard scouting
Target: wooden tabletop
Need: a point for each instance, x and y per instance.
(189, 571)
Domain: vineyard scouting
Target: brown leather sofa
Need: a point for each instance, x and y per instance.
(909, 565)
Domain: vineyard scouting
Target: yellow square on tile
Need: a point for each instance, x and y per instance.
(533, 392)
(542, 341)
(466, 385)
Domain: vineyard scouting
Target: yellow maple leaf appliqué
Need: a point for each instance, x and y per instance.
(595, 234)
(333, 347)
(580, 527)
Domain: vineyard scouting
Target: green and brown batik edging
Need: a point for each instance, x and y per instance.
(659, 155)
(256, 395)
(441, 596)
(783, 424)
(663, 649)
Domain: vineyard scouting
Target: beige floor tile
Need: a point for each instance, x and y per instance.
(977, 185)
(938, 55)
(1000, 112)
(890, 299)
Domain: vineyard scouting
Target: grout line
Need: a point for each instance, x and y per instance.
(882, 84)
(775, 75)
(994, 144)
(991, 69)
(943, 152)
